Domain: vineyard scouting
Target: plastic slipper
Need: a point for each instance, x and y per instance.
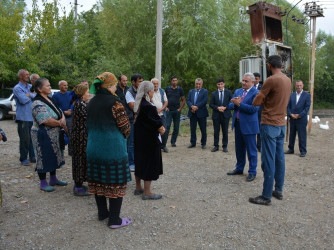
(48, 189)
(59, 183)
(138, 192)
(125, 222)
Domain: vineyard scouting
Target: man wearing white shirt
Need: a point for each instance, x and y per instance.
(298, 107)
(160, 101)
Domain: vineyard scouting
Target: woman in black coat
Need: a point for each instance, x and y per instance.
(148, 129)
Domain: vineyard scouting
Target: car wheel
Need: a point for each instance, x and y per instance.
(2, 114)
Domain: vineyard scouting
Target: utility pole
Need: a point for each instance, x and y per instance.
(313, 11)
(158, 48)
(75, 10)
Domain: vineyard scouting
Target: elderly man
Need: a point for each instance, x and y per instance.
(298, 108)
(176, 102)
(198, 112)
(221, 114)
(63, 99)
(161, 102)
(274, 95)
(246, 125)
(130, 98)
(23, 98)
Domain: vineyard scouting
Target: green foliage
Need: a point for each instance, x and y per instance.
(201, 38)
(11, 23)
(324, 71)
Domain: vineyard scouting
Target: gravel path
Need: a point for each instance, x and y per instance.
(201, 208)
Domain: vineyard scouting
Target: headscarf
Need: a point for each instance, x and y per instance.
(142, 91)
(104, 78)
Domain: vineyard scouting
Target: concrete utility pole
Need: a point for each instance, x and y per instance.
(158, 49)
(313, 11)
(75, 10)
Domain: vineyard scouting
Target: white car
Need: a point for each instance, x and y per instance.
(12, 110)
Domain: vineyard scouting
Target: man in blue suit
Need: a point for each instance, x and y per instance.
(198, 112)
(221, 114)
(298, 107)
(246, 125)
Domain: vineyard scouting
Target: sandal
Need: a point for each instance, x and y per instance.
(125, 222)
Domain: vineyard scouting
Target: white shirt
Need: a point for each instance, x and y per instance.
(129, 97)
(157, 100)
(298, 96)
(221, 92)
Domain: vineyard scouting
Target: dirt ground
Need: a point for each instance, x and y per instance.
(201, 208)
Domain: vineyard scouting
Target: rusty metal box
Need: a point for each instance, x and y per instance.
(265, 22)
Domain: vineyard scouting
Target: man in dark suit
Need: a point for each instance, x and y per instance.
(246, 124)
(221, 114)
(198, 112)
(258, 86)
(298, 107)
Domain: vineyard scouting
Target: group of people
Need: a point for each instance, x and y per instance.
(114, 129)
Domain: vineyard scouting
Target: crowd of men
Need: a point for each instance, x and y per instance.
(258, 119)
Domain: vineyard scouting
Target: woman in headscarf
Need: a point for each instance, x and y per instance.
(148, 130)
(45, 135)
(79, 140)
(107, 159)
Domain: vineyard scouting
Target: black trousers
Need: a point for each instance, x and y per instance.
(221, 122)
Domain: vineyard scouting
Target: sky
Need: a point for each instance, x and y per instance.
(324, 23)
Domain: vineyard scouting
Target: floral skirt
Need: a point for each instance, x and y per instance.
(113, 190)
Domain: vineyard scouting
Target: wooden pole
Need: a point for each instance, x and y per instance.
(312, 73)
(158, 50)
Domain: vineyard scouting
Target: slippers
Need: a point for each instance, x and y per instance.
(125, 222)
(138, 192)
(47, 189)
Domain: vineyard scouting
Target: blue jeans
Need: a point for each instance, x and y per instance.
(130, 142)
(175, 117)
(26, 147)
(272, 157)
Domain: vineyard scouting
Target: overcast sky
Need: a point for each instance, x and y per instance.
(324, 23)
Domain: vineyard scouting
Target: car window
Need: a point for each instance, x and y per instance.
(5, 93)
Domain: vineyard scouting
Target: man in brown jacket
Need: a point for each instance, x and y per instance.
(274, 95)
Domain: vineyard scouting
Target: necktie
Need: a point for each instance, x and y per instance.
(242, 98)
(221, 98)
(196, 95)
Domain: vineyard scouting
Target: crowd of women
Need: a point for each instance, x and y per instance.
(99, 143)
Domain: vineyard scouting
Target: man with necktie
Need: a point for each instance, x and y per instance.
(258, 86)
(198, 112)
(246, 125)
(298, 107)
(221, 114)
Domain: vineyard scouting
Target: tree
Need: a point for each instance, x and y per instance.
(11, 23)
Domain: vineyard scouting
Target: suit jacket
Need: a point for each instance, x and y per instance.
(260, 86)
(202, 100)
(214, 104)
(249, 123)
(301, 108)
